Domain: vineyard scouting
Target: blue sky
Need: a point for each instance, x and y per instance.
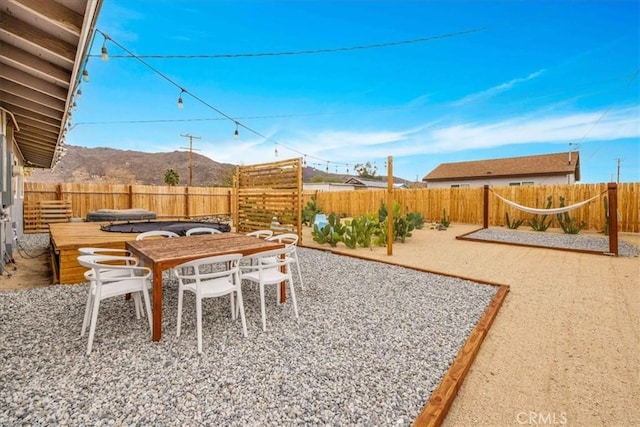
(511, 78)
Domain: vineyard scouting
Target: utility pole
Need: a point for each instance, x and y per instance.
(191, 138)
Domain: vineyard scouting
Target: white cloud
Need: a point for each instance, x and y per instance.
(496, 89)
(356, 147)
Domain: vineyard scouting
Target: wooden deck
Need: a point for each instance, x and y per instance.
(67, 237)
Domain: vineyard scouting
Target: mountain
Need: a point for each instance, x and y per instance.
(113, 166)
(109, 165)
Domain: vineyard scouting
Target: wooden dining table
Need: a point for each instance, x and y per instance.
(161, 254)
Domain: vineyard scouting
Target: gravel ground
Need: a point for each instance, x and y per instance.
(371, 344)
(555, 240)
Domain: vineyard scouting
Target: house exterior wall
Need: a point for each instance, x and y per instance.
(505, 181)
(327, 186)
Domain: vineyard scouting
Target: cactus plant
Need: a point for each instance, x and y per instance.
(512, 225)
(569, 225)
(541, 224)
(445, 221)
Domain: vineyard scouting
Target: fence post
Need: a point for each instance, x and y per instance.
(59, 192)
(186, 203)
(130, 196)
(485, 207)
(613, 218)
(390, 205)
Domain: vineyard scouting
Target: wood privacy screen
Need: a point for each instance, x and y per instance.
(463, 205)
(269, 196)
(38, 215)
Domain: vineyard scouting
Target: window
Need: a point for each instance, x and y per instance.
(527, 182)
(514, 184)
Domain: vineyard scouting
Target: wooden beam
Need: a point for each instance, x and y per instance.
(28, 122)
(13, 100)
(35, 65)
(55, 13)
(37, 38)
(32, 95)
(22, 113)
(32, 82)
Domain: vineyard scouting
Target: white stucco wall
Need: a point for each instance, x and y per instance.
(499, 181)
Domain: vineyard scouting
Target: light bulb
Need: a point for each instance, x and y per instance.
(276, 152)
(74, 106)
(79, 94)
(104, 54)
(180, 103)
(85, 76)
(236, 134)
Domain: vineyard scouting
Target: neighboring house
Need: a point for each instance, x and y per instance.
(326, 186)
(44, 46)
(544, 169)
(371, 184)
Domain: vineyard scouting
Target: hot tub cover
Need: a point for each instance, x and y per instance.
(120, 215)
(178, 227)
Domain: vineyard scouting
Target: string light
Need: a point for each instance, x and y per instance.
(202, 101)
(180, 103)
(236, 134)
(311, 51)
(275, 151)
(103, 52)
(74, 106)
(85, 75)
(79, 94)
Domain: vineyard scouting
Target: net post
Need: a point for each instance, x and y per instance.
(485, 207)
(612, 189)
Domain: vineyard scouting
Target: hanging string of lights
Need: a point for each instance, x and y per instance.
(184, 91)
(306, 51)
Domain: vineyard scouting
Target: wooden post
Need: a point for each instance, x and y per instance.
(613, 217)
(130, 204)
(299, 191)
(390, 205)
(485, 207)
(187, 214)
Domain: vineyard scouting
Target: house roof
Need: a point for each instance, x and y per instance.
(43, 49)
(544, 164)
(372, 183)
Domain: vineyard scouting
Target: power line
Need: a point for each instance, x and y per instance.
(303, 52)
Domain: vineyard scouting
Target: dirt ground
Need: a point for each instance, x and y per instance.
(564, 348)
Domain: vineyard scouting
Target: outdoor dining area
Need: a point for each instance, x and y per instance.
(206, 262)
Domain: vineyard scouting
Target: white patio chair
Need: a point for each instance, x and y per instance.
(270, 268)
(107, 280)
(127, 259)
(202, 230)
(289, 239)
(207, 278)
(156, 233)
(261, 234)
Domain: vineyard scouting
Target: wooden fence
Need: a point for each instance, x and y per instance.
(167, 202)
(462, 205)
(465, 205)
